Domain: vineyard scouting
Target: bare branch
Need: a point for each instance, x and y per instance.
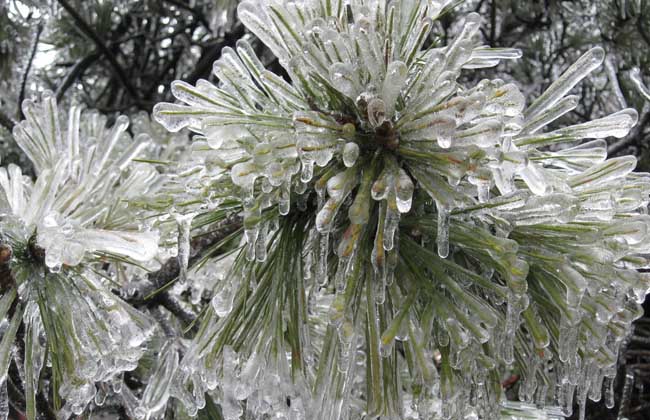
(204, 65)
(101, 46)
(23, 85)
(76, 72)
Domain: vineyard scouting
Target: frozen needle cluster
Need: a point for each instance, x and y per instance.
(408, 237)
(53, 232)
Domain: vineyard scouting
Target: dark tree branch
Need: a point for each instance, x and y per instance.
(23, 85)
(204, 66)
(101, 46)
(200, 246)
(76, 72)
(493, 22)
(155, 294)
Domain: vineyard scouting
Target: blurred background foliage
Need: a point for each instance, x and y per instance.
(120, 56)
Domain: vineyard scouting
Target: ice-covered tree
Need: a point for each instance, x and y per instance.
(365, 214)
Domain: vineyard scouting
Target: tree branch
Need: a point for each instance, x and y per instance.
(200, 246)
(76, 72)
(156, 295)
(204, 66)
(23, 85)
(102, 48)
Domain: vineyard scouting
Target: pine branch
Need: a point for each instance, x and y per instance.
(101, 46)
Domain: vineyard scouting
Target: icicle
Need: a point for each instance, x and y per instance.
(251, 235)
(567, 391)
(582, 397)
(390, 227)
(574, 74)
(184, 222)
(513, 311)
(157, 391)
(609, 392)
(626, 396)
(568, 340)
(322, 262)
(284, 204)
(443, 230)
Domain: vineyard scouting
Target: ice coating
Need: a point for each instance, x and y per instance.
(58, 226)
(444, 220)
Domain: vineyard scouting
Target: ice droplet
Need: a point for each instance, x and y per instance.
(404, 189)
(350, 154)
